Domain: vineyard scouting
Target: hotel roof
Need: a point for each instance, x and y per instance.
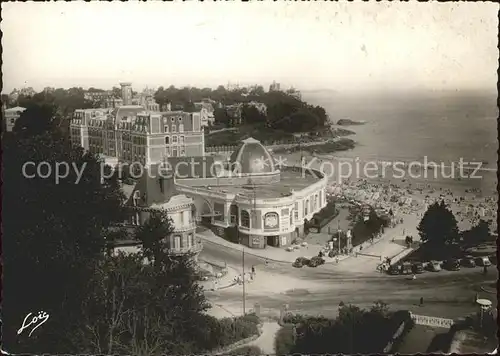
(290, 180)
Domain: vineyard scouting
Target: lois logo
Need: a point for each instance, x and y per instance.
(35, 321)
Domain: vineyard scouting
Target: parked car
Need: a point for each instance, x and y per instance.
(300, 262)
(316, 261)
(483, 261)
(406, 268)
(418, 267)
(493, 259)
(393, 269)
(434, 266)
(468, 261)
(452, 265)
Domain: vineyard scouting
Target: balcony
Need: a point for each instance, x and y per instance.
(196, 248)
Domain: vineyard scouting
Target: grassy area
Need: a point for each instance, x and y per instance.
(342, 144)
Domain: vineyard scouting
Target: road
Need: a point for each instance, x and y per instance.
(319, 290)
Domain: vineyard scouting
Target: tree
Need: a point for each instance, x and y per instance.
(478, 234)
(52, 235)
(251, 115)
(37, 119)
(136, 309)
(438, 225)
(153, 235)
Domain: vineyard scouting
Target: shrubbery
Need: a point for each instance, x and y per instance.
(354, 331)
(231, 330)
(247, 350)
(285, 340)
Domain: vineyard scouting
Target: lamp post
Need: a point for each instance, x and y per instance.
(242, 262)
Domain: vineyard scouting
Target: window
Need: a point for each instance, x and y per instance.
(245, 218)
(174, 139)
(167, 140)
(173, 128)
(181, 139)
(306, 207)
(167, 151)
(166, 128)
(181, 127)
(172, 119)
(174, 152)
(179, 118)
(296, 211)
(183, 152)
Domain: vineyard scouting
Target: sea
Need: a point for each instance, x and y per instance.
(441, 126)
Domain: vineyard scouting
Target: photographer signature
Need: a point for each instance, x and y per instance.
(42, 316)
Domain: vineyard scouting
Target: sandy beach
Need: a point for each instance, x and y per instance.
(469, 199)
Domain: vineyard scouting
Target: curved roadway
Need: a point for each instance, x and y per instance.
(320, 290)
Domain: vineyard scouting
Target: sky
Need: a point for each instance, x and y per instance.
(310, 45)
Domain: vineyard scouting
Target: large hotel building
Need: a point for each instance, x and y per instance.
(247, 198)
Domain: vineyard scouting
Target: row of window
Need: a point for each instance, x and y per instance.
(175, 151)
(174, 139)
(174, 128)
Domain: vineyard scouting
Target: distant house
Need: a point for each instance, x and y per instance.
(206, 111)
(234, 113)
(11, 116)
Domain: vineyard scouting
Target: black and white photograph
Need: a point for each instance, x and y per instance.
(249, 178)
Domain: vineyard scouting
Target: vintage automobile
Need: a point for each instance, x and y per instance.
(393, 269)
(452, 265)
(316, 261)
(406, 268)
(493, 259)
(434, 266)
(300, 262)
(468, 261)
(483, 261)
(418, 267)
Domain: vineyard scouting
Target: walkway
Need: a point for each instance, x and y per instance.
(266, 339)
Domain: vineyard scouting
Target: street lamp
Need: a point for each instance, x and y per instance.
(242, 261)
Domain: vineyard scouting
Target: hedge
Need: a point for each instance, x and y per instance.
(284, 340)
(246, 350)
(227, 331)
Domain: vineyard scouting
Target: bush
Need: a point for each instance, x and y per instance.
(247, 350)
(290, 318)
(227, 331)
(285, 340)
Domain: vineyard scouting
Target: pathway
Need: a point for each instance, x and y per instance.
(266, 339)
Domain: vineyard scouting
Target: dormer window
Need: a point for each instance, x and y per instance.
(180, 119)
(172, 119)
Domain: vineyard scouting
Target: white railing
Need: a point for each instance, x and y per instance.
(432, 321)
